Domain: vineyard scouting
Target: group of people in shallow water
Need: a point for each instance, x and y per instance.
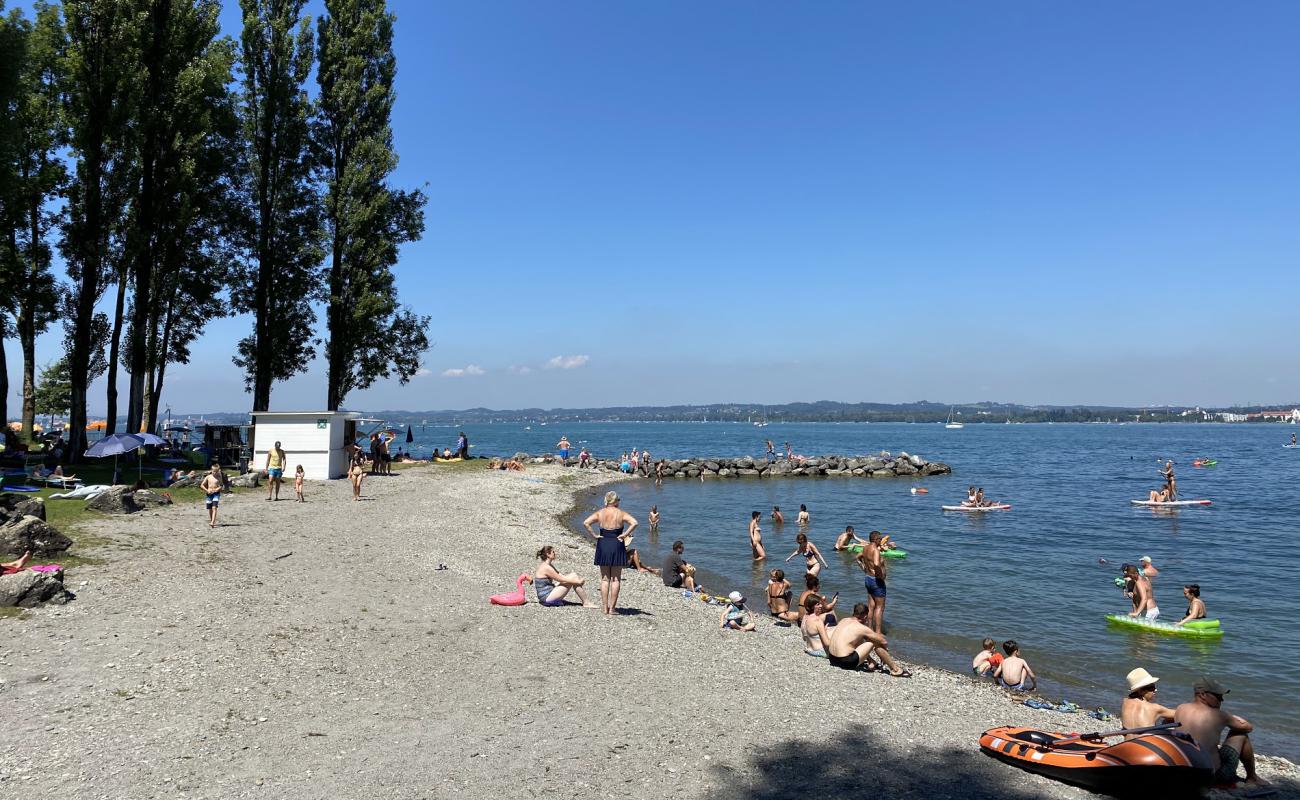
(1136, 582)
(857, 642)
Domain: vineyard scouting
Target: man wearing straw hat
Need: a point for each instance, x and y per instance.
(1140, 709)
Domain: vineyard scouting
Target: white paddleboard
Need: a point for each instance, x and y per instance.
(998, 507)
(1170, 504)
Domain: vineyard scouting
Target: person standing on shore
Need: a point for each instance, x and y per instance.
(356, 474)
(275, 461)
(611, 554)
(212, 484)
(873, 564)
(756, 537)
(563, 447)
(659, 472)
(1205, 721)
(462, 446)
(771, 450)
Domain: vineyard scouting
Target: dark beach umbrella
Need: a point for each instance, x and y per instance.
(410, 437)
(119, 443)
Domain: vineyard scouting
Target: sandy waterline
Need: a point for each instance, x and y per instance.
(195, 663)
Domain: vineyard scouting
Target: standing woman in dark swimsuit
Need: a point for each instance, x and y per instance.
(611, 554)
(1171, 483)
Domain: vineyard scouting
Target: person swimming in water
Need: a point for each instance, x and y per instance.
(777, 517)
(848, 539)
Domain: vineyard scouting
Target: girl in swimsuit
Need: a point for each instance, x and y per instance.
(611, 553)
(812, 556)
(552, 586)
(803, 518)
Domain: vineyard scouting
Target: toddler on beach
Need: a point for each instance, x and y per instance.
(298, 476)
(736, 617)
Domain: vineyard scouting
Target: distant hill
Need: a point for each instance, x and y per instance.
(818, 411)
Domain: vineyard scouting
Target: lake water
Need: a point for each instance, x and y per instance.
(1032, 573)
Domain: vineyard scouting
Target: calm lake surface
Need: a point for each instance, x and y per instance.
(1031, 573)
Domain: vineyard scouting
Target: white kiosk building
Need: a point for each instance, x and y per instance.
(316, 439)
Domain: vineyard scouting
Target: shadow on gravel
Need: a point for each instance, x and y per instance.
(863, 764)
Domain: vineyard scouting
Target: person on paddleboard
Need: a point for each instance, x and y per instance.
(1293, 440)
(1171, 483)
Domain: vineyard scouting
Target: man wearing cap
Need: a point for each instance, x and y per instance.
(1139, 709)
(1148, 570)
(1205, 721)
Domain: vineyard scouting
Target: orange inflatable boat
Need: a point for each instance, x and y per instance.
(1157, 763)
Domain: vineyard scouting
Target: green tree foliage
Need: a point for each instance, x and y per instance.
(34, 176)
(101, 72)
(185, 126)
(54, 389)
(283, 235)
(369, 335)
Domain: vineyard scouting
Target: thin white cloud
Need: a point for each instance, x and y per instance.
(515, 370)
(423, 372)
(567, 362)
(460, 372)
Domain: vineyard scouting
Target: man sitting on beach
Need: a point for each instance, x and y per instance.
(1140, 709)
(1205, 721)
(853, 640)
(1014, 671)
(676, 572)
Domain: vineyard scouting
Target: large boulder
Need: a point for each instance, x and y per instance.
(748, 473)
(114, 500)
(904, 467)
(873, 464)
(249, 480)
(16, 506)
(148, 499)
(936, 468)
(916, 460)
(181, 483)
(29, 533)
(29, 589)
(745, 462)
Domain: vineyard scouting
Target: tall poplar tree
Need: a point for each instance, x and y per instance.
(183, 100)
(101, 72)
(370, 335)
(34, 176)
(284, 233)
(11, 46)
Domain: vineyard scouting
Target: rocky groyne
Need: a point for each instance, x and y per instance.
(880, 465)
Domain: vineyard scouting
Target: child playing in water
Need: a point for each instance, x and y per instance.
(654, 519)
(298, 477)
(986, 660)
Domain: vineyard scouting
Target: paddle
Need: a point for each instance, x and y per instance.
(1122, 732)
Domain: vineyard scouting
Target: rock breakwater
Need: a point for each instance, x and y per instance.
(880, 465)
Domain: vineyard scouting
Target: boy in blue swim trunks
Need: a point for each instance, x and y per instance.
(212, 484)
(873, 564)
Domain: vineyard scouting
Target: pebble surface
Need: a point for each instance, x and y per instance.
(209, 664)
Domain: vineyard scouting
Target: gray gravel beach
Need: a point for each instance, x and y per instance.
(195, 663)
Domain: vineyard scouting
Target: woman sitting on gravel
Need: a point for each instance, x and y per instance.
(552, 586)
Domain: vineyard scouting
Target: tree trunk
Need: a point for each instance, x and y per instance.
(4, 379)
(114, 353)
(27, 322)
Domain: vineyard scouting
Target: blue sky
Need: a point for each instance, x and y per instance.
(736, 201)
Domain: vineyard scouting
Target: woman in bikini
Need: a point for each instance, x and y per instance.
(811, 555)
(611, 553)
(552, 586)
(778, 597)
(803, 519)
